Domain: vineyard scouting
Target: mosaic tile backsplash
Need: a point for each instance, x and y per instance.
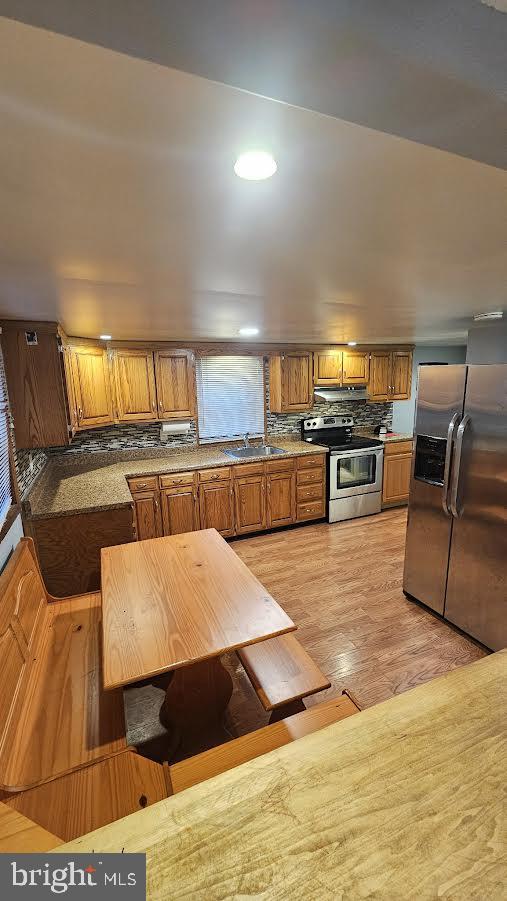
(28, 464)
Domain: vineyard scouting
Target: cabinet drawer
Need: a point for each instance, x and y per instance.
(174, 479)
(310, 492)
(310, 510)
(310, 460)
(248, 469)
(397, 447)
(143, 483)
(215, 475)
(308, 476)
(285, 464)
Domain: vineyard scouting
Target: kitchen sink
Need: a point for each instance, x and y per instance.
(245, 452)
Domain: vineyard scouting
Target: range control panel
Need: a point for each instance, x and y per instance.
(327, 422)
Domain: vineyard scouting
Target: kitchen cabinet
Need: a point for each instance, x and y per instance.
(290, 382)
(175, 378)
(216, 506)
(328, 368)
(180, 509)
(310, 488)
(250, 501)
(397, 473)
(356, 367)
(134, 383)
(390, 375)
(281, 498)
(148, 518)
(91, 382)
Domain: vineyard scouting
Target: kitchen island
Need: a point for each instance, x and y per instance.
(404, 800)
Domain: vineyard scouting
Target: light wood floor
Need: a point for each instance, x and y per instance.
(341, 584)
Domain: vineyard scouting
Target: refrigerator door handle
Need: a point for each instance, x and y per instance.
(457, 465)
(447, 465)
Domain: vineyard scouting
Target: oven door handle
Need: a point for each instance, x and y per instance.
(363, 452)
(447, 465)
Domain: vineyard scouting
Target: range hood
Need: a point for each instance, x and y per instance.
(331, 395)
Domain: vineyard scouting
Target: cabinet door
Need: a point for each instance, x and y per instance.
(148, 518)
(401, 375)
(180, 512)
(92, 386)
(297, 387)
(71, 394)
(380, 375)
(216, 507)
(327, 367)
(134, 381)
(397, 469)
(281, 487)
(356, 367)
(175, 376)
(250, 495)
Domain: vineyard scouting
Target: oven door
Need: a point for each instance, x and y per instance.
(355, 472)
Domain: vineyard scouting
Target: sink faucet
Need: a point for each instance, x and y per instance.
(246, 439)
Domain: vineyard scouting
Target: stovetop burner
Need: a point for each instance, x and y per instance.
(335, 432)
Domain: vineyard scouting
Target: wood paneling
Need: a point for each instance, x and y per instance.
(148, 514)
(134, 381)
(247, 747)
(250, 503)
(291, 382)
(93, 796)
(20, 835)
(216, 506)
(36, 388)
(401, 375)
(282, 671)
(328, 367)
(194, 578)
(175, 374)
(281, 494)
(68, 547)
(356, 367)
(92, 385)
(180, 509)
(396, 481)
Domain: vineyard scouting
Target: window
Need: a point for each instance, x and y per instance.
(5, 463)
(230, 397)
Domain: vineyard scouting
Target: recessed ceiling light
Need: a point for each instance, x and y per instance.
(352, 343)
(249, 331)
(496, 314)
(105, 337)
(255, 165)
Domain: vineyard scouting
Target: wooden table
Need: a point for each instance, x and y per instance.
(173, 606)
(405, 800)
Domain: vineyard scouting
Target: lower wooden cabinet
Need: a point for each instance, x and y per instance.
(216, 507)
(310, 488)
(180, 510)
(397, 471)
(281, 493)
(250, 502)
(148, 517)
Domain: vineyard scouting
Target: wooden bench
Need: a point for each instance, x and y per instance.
(282, 673)
(63, 744)
(20, 835)
(218, 760)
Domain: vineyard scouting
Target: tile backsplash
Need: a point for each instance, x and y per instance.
(28, 464)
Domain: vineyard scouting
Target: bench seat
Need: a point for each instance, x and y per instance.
(54, 715)
(282, 672)
(20, 835)
(247, 747)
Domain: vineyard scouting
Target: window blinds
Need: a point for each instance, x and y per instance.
(230, 397)
(5, 468)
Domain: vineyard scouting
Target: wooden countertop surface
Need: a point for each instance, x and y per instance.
(405, 800)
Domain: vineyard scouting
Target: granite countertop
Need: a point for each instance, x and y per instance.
(386, 439)
(83, 483)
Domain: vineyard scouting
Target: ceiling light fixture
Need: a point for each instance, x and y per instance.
(249, 331)
(105, 337)
(496, 314)
(255, 165)
(351, 343)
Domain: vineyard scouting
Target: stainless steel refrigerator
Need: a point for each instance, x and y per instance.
(456, 550)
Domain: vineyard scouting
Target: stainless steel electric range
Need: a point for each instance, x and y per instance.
(354, 466)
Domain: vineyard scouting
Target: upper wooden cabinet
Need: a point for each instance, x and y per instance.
(175, 377)
(328, 367)
(91, 382)
(134, 382)
(356, 367)
(290, 382)
(390, 375)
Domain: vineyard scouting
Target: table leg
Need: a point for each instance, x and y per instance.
(196, 699)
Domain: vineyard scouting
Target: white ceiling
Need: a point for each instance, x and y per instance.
(121, 212)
